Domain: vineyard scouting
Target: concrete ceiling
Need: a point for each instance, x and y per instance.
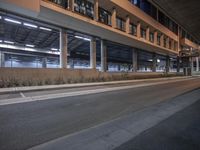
(185, 12)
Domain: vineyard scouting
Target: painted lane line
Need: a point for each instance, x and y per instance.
(22, 95)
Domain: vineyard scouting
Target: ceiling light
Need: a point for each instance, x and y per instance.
(0, 17)
(28, 45)
(80, 37)
(13, 21)
(8, 42)
(0, 41)
(158, 60)
(46, 29)
(54, 49)
(30, 25)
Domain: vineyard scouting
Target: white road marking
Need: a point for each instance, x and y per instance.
(22, 95)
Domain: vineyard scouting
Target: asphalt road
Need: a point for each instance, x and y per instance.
(179, 132)
(29, 124)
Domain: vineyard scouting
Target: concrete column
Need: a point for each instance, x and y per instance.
(71, 5)
(155, 37)
(96, 10)
(167, 64)
(63, 48)
(147, 33)
(162, 40)
(103, 56)
(197, 64)
(154, 62)
(44, 62)
(138, 29)
(93, 53)
(134, 60)
(178, 64)
(113, 18)
(127, 24)
(192, 64)
(2, 59)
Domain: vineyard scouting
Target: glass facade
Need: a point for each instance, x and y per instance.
(151, 10)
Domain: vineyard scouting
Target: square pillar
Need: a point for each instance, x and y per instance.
(113, 18)
(167, 64)
(178, 64)
(155, 37)
(71, 5)
(103, 56)
(2, 59)
(127, 24)
(63, 48)
(138, 29)
(162, 40)
(44, 62)
(96, 10)
(93, 53)
(197, 64)
(134, 60)
(147, 33)
(173, 45)
(154, 62)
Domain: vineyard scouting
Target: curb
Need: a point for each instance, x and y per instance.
(78, 85)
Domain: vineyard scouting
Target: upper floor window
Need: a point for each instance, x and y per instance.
(84, 7)
(151, 37)
(63, 3)
(133, 29)
(143, 33)
(104, 16)
(158, 39)
(120, 24)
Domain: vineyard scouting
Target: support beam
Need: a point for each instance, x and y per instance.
(155, 37)
(197, 64)
(138, 30)
(127, 24)
(63, 48)
(103, 56)
(44, 62)
(113, 18)
(147, 33)
(134, 60)
(96, 10)
(154, 62)
(93, 53)
(167, 64)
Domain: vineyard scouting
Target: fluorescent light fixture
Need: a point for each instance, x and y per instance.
(0, 41)
(150, 60)
(8, 42)
(29, 45)
(46, 29)
(12, 21)
(30, 25)
(83, 38)
(0, 17)
(158, 60)
(54, 49)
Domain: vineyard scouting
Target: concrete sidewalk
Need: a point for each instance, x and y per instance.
(63, 86)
